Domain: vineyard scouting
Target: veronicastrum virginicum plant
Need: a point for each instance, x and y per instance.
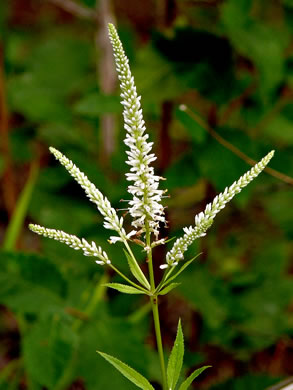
(147, 212)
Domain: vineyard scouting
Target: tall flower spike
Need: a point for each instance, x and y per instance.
(112, 220)
(74, 242)
(206, 218)
(146, 203)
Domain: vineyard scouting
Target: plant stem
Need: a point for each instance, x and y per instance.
(155, 310)
(154, 303)
(150, 257)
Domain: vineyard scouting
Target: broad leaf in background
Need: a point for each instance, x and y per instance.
(261, 43)
(116, 336)
(30, 283)
(48, 348)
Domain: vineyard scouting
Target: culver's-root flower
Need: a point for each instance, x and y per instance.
(74, 242)
(205, 219)
(145, 207)
(147, 212)
(112, 221)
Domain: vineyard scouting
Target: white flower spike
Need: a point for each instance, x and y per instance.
(112, 221)
(74, 242)
(205, 219)
(146, 204)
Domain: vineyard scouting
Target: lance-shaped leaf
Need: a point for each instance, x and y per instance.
(132, 375)
(185, 385)
(168, 278)
(124, 288)
(168, 288)
(176, 359)
(136, 271)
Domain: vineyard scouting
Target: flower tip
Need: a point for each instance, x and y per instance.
(164, 266)
(111, 28)
(182, 107)
(52, 150)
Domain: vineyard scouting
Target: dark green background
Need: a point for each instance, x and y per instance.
(231, 62)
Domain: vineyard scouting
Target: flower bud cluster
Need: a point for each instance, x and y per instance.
(205, 219)
(74, 242)
(146, 202)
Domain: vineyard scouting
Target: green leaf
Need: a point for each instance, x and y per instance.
(48, 348)
(167, 289)
(210, 296)
(16, 222)
(128, 372)
(185, 265)
(262, 43)
(190, 379)
(30, 283)
(105, 332)
(136, 271)
(194, 128)
(124, 288)
(176, 359)
(95, 104)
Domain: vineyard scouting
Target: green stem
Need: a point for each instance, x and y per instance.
(139, 314)
(154, 303)
(150, 257)
(155, 310)
(16, 222)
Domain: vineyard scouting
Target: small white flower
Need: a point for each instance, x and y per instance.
(114, 239)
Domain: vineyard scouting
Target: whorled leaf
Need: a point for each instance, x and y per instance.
(124, 288)
(185, 385)
(132, 375)
(176, 359)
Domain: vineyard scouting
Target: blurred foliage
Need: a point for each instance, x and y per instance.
(231, 62)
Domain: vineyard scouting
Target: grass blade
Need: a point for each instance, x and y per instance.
(16, 222)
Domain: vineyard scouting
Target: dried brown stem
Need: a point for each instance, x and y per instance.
(75, 9)
(234, 149)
